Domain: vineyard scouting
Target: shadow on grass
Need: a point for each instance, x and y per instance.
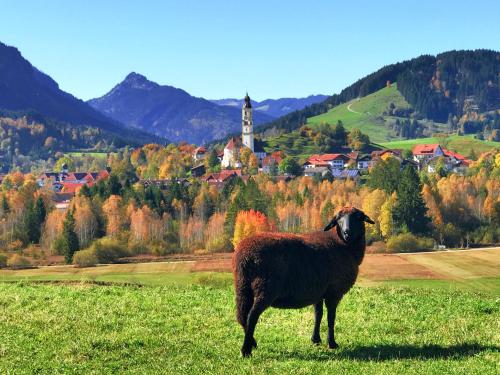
(393, 351)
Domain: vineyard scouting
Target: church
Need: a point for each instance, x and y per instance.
(231, 158)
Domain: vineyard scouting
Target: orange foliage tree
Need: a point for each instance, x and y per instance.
(249, 223)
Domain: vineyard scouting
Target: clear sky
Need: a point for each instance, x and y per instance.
(218, 49)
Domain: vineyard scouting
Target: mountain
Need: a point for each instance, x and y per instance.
(170, 112)
(25, 88)
(455, 87)
(275, 107)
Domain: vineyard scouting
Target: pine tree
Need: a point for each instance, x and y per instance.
(5, 205)
(410, 211)
(40, 211)
(69, 239)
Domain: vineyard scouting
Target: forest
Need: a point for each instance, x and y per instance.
(122, 217)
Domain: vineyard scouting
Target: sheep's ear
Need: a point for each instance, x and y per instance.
(331, 224)
(368, 220)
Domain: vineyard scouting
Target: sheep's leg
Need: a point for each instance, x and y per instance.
(249, 342)
(318, 315)
(331, 304)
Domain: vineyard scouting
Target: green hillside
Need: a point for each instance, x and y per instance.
(367, 114)
(462, 144)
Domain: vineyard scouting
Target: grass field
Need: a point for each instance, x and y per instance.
(462, 144)
(407, 316)
(365, 114)
(101, 155)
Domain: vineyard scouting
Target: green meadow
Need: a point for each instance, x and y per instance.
(164, 318)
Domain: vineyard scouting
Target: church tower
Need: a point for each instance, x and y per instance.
(247, 124)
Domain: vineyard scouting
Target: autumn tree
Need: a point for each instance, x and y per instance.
(249, 223)
(113, 212)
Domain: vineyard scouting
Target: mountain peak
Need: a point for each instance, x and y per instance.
(138, 81)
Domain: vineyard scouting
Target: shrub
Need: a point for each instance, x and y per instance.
(3, 260)
(85, 258)
(18, 262)
(107, 250)
(219, 244)
(408, 242)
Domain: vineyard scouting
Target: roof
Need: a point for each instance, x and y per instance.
(233, 143)
(456, 155)
(317, 170)
(248, 103)
(379, 153)
(346, 173)
(429, 149)
(317, 159)
(222, 175)
(275, 158)
(199, 150)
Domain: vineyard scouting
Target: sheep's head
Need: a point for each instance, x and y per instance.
(350, 223)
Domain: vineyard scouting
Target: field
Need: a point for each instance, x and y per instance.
(365, 114)
(457, 143)
(99, 155)
(412, 313)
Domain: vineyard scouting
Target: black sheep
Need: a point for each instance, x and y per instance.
(292, 271)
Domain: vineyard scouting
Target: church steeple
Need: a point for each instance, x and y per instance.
(247, 123)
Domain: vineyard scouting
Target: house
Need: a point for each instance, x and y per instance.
(384, 154)
(271, 161)
(364, 162)
(199, 153)
(332, 161)
(219, 179)
(453, 162)
(231, 157)
(67, 182)
(198, 170)
(423, 153)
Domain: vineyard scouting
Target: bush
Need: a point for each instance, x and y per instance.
(107, 250)
(219, 245)
(407, 243)
(85, 258)
(18, 262)
(3, 260)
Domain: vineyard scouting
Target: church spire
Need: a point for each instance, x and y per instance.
(247, 124)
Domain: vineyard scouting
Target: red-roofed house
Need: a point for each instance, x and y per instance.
(332, 161)
(423, 153)
(220, 178)
(231, 158)
(272, 161)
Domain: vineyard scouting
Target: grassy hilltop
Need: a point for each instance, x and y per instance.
(365, 113)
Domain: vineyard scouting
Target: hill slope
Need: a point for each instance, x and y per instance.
(275, 107)
(24, 88)
(372, 114)
(449, 83)
(169, 111)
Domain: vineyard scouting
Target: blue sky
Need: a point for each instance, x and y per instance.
(217, 49)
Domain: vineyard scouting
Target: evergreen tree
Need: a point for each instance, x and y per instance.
(212, 161)
(385, 175)
(410, 211)
(40, 211)
(5, 205)
(69, 239)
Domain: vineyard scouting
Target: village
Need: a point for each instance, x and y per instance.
(332, 166)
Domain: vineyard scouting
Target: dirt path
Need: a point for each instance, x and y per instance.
(352, 110)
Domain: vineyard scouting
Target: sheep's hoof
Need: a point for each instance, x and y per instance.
(246, 352)
(333, 345)
(316, 340)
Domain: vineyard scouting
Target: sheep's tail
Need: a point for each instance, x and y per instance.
(244, 292)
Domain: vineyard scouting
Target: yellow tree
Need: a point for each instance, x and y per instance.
(372, 205)
(385, 218)
(114, 216)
